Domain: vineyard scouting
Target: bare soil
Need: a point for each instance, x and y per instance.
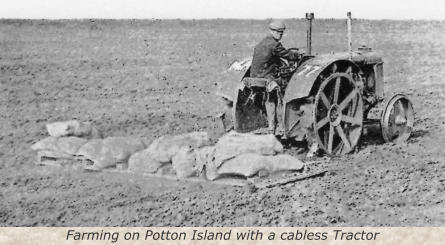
(150, 78)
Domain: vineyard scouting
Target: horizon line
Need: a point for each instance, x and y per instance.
(217, 18)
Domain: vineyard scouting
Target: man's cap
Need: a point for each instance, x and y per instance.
(277, 25)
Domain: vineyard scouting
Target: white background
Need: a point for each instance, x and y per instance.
(196, 9)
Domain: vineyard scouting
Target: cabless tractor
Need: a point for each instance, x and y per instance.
(328, 99)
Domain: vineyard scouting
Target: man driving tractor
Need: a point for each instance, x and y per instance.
(265, 64)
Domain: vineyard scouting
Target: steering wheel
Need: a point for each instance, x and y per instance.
(284, 63)
(290, 66)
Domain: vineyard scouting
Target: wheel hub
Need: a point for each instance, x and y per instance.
(400, 120)
(334, 115)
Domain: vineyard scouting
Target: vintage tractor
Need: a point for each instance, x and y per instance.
(329, 99)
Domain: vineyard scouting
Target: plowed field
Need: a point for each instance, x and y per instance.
(150, 78)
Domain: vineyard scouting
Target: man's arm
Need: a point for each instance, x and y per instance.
(282, 52)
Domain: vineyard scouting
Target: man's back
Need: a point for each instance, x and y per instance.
(264, 61)
(266, 57)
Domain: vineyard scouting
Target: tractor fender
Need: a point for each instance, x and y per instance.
(304, 80)
(228, 83)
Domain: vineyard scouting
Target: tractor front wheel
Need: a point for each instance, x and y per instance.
(397, 119)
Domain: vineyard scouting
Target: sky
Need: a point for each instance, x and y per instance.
(237, 9)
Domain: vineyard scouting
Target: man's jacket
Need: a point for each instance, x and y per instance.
(266, 58)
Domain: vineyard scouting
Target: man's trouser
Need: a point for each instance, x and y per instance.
(274, 107)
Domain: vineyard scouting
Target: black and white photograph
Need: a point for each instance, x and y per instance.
(243, 113)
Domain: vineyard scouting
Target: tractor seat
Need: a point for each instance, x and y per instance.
(255, 82)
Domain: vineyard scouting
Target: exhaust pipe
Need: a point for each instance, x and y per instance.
(309, 17)
(349, 35)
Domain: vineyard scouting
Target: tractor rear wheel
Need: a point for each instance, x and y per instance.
(338, 114)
